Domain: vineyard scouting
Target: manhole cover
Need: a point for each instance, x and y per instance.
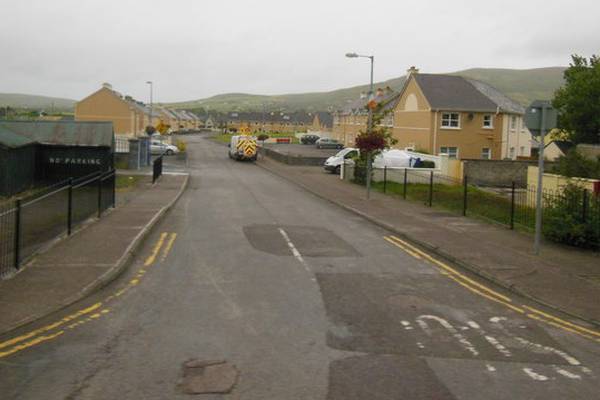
(208, 376)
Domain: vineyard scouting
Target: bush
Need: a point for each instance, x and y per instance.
(262, 137)
(181, 145)
(574, 164)
(564, 219)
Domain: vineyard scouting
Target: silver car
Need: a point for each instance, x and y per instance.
(327, 143)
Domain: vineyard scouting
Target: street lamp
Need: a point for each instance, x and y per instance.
(151, 87)
(370, 117)
(372, 58)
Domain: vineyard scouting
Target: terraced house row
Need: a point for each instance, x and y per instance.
(449, 114)
(129, 116)
(272, 121)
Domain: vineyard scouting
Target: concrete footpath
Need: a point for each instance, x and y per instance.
(562, 278)
(90, 258)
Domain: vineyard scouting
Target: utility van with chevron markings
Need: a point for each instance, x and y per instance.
(243, 147)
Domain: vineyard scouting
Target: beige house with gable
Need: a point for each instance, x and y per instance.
(461, 117)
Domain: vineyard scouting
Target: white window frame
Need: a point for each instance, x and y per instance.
(489, 153)
(447, 148)
(491, 121)
(447, 118)
(513, 122)
(512, 153)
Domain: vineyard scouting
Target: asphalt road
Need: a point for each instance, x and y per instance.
(307, 300)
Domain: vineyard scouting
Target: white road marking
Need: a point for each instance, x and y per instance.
(420, 345)
(461, 339)
(566, 373)
(534, 375)
(490, 368)
(494, 342)
(497, 320)
(473, 325)
(406, 325)
(547, 349)
(295, 251)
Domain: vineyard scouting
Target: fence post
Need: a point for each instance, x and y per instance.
(17, 243)
(465, 191)
(585, 206)
(99, 194)
(405, 181)
(512, 206)
(384, 178)
(114, 189)
(430, 188)
(70, 207)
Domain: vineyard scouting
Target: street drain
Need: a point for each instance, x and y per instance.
(208, 376)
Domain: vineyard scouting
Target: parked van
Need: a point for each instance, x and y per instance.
(243, 147)
(334, 163)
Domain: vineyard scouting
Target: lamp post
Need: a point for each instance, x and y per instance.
(370, 95)
(151, 100)
(370, 116)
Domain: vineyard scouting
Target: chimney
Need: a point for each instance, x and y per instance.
(412, 71)
(107, 85)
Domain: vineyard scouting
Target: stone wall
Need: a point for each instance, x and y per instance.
(498, 173)
(292, 159)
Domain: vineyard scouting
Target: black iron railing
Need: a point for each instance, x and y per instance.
(566, 213)
(157, 167)
(28, 224)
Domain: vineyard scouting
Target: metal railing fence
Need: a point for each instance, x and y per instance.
(157, 167)
(31, 223)
(574, 211)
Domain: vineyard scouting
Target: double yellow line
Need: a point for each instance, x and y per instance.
(491, 294)
(91, 313)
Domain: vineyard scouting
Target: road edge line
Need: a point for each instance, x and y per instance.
(113, 273)
(435, 250)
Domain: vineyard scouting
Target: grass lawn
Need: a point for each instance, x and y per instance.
(125, 182)
(480, 204)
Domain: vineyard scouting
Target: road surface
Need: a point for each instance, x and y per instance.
(307, 300)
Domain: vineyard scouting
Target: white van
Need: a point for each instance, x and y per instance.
(243, 147)
(334, 163)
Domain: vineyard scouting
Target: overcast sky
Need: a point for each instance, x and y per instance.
(195, 49)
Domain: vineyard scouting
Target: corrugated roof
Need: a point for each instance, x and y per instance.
(69, 133)
(12, 140)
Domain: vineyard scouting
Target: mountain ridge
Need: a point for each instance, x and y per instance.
(522, 85)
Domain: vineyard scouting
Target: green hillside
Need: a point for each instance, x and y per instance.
(16, 100)
(521, 85)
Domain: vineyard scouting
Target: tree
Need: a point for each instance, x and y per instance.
(578, 101)
(372, 143)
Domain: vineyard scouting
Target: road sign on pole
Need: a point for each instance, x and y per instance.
(539, 117)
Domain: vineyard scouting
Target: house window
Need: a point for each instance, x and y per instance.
(450, 120)
(512, 152)
(451, 151)
(522, 150)
(486, 153)
(513, 122)
(388, 120)
(488, 122)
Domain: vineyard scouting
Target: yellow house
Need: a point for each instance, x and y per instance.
(461, 117)
(322, 121)
(129, 117)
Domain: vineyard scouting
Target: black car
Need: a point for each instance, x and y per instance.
(309, 139)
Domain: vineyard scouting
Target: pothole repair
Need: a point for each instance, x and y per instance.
(208, 376)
